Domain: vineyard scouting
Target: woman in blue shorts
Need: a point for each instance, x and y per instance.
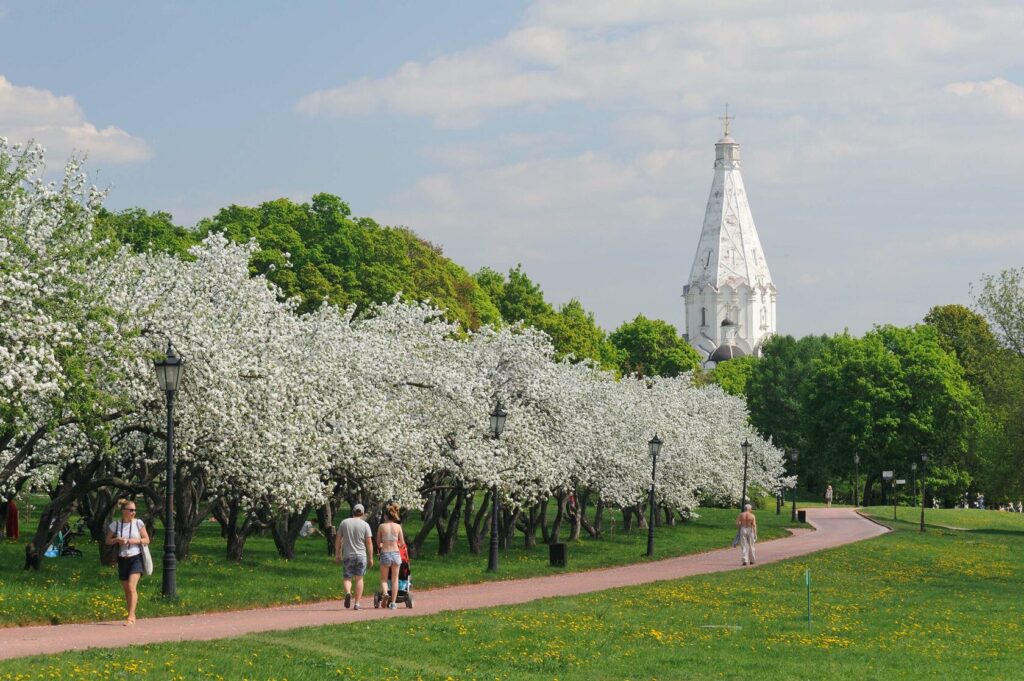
(389, 538)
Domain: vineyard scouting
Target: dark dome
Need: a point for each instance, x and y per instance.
(728, 322)
(724, 352)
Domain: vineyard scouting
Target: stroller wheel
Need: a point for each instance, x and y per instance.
(408, 599)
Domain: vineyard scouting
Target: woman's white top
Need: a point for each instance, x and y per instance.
(127, 530)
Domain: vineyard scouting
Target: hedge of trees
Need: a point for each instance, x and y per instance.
(292, 405)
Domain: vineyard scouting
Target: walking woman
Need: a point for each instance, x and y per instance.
(389, 540)
(129, 534)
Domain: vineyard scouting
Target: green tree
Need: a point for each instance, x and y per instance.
(318, 252)
(144, 231)
(733, 375)
(776, 384)
(996, 453)
(572, 329)
(1001, 298)
(887, 397)
(652, 347)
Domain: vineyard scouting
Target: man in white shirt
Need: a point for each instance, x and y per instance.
(353, 548)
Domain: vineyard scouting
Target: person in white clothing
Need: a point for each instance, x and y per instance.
(747, 524)
(129, 534)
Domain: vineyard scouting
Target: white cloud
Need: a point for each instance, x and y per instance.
(850, 137)
(668, 56)
(59, 124)
(999, 94)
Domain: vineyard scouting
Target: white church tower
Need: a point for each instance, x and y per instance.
(730, 299)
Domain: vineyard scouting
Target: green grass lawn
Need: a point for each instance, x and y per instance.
(944, 604)
(79, 589)
(956, 518)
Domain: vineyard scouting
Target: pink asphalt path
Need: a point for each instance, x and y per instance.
(834, 527)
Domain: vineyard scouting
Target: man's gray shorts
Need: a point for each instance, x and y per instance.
(353, 566)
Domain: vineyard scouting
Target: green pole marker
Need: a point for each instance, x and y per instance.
(807, 580)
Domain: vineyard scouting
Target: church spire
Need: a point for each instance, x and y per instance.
(729, 279)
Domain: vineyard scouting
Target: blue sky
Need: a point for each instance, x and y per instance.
(882, 142)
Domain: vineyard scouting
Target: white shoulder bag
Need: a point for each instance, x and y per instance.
(147, 557)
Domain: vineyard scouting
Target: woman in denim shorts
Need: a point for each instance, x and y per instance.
(389, 538)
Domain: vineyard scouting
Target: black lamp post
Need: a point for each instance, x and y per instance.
(856, 477)
(655, 447)
(168, 375)
(746, 453)
(794, 454)
(924, 466)
(913, 481)
(498, 417)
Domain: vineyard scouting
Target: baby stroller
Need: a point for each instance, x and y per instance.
(62, 545)
(404, 583)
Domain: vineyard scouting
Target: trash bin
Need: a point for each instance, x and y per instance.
(801, 516)
(556, 554)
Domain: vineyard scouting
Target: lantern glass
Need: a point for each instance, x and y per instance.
(498, 417)
(655, 446)
(169, 370)
(746, 447)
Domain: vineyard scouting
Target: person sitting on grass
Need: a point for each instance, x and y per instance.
(353, 548)
(308, 529)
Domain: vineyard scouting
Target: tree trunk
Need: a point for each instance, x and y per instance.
(429, 521)
(531, 519)
(545, 528)
(236, 530)
(285, 530)
(189, 510)
(61, 505)
(670, 517)
(508, 527)
(556, 526)
(576, 511)
(639, 510)
(598, 529)
(325, 519)
(448, 525)
(477, 523)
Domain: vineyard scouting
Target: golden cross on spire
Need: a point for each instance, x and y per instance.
(726, 118)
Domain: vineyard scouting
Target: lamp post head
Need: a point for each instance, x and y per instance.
(856, 459)
(169, 370)
(794, 454)
(746, 446)
(655, 446)
(498, 417)
(924, 457)
(913, 466)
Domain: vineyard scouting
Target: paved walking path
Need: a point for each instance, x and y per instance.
(835, 527)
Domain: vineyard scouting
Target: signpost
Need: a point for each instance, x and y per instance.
(807, 579)
(891, 476)
(887, 475)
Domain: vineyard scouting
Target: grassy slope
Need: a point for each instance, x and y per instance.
(944, 604)
(79, 589)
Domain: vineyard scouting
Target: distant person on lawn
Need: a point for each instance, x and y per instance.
(748, 533)
(828, 496)
(129, 534)
(308, 529)
(353, 548)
